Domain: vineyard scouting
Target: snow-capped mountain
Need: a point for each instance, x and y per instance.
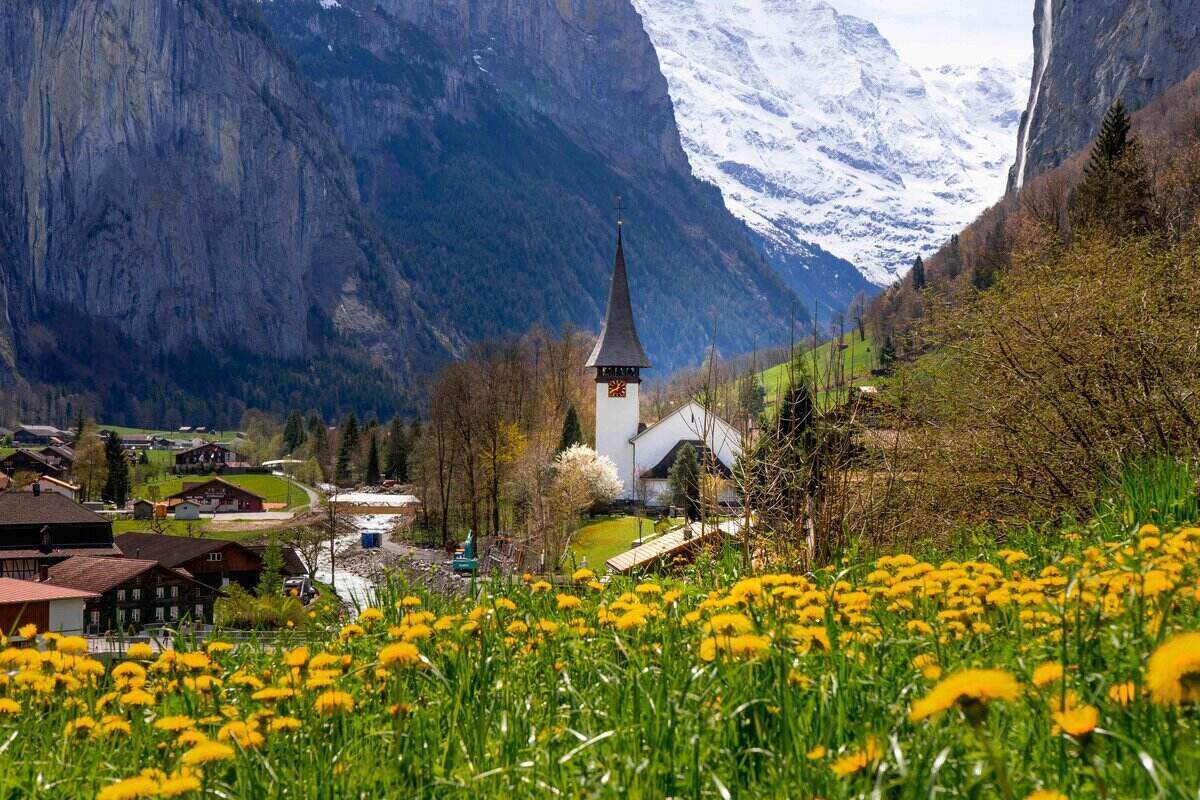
(817, 132)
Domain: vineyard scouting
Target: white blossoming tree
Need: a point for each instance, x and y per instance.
(597, 474)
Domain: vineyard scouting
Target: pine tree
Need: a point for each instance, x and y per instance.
(684, 480)
(270, 580)
(396, 461)
(293, 432)
(80, 425)
(887, 354)
(918, 274)
(752, 397)
(372, 471)
(318, 440)
(572, 432)
(1116, 193)
(116, 484)
(343, 468)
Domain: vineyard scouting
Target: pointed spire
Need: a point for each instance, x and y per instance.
(618, 345)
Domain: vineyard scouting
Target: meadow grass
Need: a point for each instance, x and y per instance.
(601, 539)
(1060, 661)
(272, 488)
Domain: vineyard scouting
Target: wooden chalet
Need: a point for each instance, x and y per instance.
(131, 593)
(213, 562)
(39, 435)
(39, 529)
(217, 496)
(210, 456)
(32, 461)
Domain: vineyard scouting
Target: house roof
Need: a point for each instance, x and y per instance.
(206, 446)
(171, 551)
(662, 470)
(196, 487)
(27, 508)
(45, 461)
(619, 345)
(42, 430)
(102, 574)
(59, 450)
(293, 564)
(55, 481)
(13, 591)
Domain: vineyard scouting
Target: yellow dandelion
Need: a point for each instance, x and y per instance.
(857, 760)
(283, 725)
(567, 601)
(27, 631)
(1173, 672)
(370, 615)
(178, 785)
(139, 651)
(207, 753)
(816, 754)
(1122, 693)
(1078, 721)
(129, 789)
(400, 654)
(970, 690)
(330, 703)
(1047, 673)
(174, 724)
(9, 706)
(1046, 794)
(582, 574)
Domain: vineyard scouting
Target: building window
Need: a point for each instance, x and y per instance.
(216, 556)
(174, 613)
(120, 616)
(199, 612)
(136, 594)
(135, 614)
(174, 591)
(159, 613)
(95, 617)
(120, 595)
(160, 592)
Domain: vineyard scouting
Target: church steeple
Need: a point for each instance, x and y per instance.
(618, 345)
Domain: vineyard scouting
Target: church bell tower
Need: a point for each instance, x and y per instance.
(618, 359)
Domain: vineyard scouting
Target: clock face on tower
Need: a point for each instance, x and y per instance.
(617, 388)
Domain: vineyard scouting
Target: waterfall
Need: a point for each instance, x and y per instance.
(1027, 126)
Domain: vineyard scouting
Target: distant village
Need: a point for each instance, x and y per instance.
(65, 566)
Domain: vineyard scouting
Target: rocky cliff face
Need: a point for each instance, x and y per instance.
(166, 170)
(491, 139)
(1086, 55)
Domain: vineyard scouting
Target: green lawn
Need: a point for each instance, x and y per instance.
(213, 436)
(173, 527)
(857, 360)
(273, 488)
(605, 537)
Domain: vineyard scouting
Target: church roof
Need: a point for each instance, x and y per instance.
(618, 345)
(662, 470)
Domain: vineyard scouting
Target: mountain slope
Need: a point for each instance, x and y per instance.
(171, 188)
(491, 140)
(819, 135)
(1086, 55)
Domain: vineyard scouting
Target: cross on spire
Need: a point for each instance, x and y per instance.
(620, 211)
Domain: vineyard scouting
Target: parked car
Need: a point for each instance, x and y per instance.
(300, 587)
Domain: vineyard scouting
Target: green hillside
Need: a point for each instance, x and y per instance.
(837, 365)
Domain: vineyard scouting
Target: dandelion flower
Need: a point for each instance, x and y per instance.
(567, 601)
(1078, 721)
(174, 724)
(139, 651)
(330, 703)
(969, 689)
(283, 724)
(129, 789)
(400, 654)
(857, 760)
(816, 754)
(1048, 673)
(207, 753)
(1173, 673)
(369, 615)
(1122, 693)
(178, 784)
(582, 574)
(8, 706)
(1046, 794)
(27, 631)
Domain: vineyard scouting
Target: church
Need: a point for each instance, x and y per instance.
(644, 454)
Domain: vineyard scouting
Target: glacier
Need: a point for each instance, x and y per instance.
(818, 133)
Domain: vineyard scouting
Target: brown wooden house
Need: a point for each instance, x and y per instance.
(219, 496)
(132, 593)
(214, 562)
(39, 529)
(32, 461)
(210, 456)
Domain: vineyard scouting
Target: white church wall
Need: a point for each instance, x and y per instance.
(688, 422)
(616, 423)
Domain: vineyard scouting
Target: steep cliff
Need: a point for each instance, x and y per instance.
(1086, 55)
(492, 137)
(166, 173)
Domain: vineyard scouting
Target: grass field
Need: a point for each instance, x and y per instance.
(213, 436)
(857, 360)
(273, 488)
(601, 539)
(1063, 664)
